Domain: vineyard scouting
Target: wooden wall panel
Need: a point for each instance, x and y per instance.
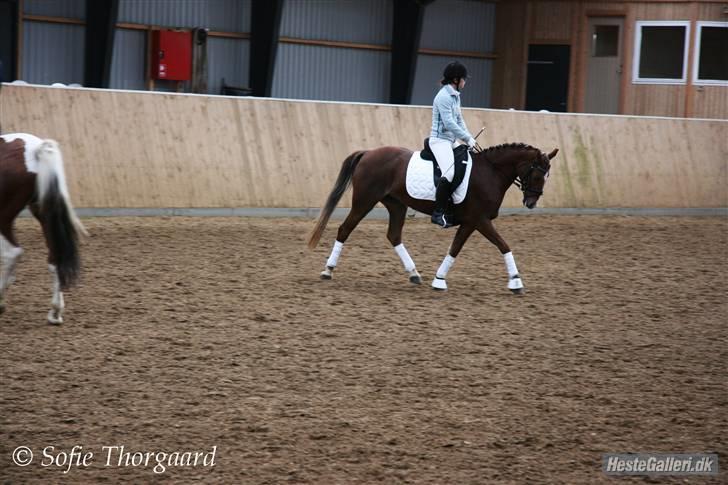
(712, 11)
(509, 70)
(620, 161)
(141, 149)
(671, 100)
(556, 21)
(551, 21)
(661, 11)
(710, 102)
(656, 99)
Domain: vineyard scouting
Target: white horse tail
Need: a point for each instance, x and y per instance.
(62, 225)
(50, 171)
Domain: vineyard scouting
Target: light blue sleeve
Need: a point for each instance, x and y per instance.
(445, 106)
(464, 127)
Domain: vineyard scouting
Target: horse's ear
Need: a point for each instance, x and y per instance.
(553, 153)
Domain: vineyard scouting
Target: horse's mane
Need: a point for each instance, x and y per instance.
(503, 146)
(513, 146)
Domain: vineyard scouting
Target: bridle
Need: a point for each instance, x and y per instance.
(523, 181)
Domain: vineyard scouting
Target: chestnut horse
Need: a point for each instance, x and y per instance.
(380, 176)
(31, 174)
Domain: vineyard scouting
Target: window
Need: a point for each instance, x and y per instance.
(711, 48)
(605, 41)
(661, 52)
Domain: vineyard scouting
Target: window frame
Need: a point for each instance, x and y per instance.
(636, 79)
(696, 58)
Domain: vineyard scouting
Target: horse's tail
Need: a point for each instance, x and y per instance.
(342, 183)
(62, 225)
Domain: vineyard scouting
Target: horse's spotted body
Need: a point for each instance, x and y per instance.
(32, 175)
(30, 145)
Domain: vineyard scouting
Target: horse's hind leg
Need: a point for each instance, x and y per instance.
(10, 253)
(397, 215)
(361, 205)
(55, 314)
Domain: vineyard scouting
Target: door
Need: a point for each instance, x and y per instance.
(604, 65)
(547, 81)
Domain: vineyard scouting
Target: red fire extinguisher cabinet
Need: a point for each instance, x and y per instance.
(172, 55)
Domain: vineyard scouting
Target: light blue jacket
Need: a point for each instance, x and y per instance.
(447, 119)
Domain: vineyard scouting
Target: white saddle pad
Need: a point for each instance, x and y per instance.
(420, 184)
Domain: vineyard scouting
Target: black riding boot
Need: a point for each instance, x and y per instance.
(442, 196)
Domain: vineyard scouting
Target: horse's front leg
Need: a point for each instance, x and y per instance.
(515, 284)
(55, 315)
(462, 235)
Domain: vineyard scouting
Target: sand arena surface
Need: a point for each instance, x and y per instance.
(188, 333)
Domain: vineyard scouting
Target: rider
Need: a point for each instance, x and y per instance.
(448, 125)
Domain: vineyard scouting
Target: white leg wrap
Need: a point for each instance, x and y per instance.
(514, 281)
(438, 282)
(409, 265)
(335, 253)
(445, 267)
(510, 264)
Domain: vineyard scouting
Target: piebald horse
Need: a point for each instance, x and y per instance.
(32, 175)
(379, 175)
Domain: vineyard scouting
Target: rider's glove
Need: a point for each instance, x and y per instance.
(471, 142)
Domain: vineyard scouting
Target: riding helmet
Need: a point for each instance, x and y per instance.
(454, 70)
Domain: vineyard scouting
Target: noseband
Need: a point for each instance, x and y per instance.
(523, 181)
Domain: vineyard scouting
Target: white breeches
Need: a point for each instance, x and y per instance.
(442, 149)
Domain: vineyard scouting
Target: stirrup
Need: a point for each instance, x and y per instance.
(441, 221)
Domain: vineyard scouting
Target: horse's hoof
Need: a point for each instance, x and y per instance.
(53, 319)
(515, 284)
(415, 280)
(325, 275)
(2, 308)
(439, 284)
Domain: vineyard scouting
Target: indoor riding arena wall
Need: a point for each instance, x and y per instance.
(126, 149)
(192, 334)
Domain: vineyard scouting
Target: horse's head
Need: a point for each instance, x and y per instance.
(532, 177)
